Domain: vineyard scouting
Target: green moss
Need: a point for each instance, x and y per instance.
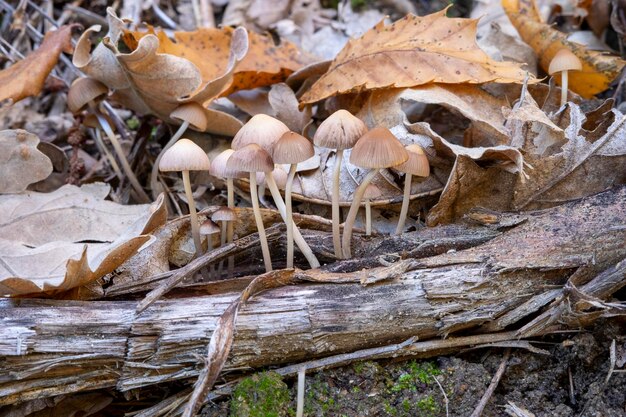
(389, 409)
(133, 123)
(261, 395)
(427, 406)
(417, 372)
(359, 367)
(406, 405)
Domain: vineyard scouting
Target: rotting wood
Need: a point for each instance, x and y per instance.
(51, 347)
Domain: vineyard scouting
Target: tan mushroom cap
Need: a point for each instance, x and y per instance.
(341, 130)
(184, 155)
(224, 214)
(82, 91)
(378, 148)
(208, 227)
(417, 164)
(193, 113)
(279, 174)
(292, 148)
(372, 192)
(564, 60)
(251, 158)
(219, 166)
(263, 130)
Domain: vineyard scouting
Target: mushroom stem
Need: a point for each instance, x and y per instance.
(120, 154)
(405, 204)
(154, 175)
(354, 208)
(288, 186)
(368, 217)
(335, 204)
(564, 82)
(107, 153)
(259, 222)
(230, 225)
(193, 216)
(209, 244)
(223, 224)
(297, 237)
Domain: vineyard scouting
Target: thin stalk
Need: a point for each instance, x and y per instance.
(368, 217)
(222, 243)
(259, 222)
(107, 153)
(405, 204)
(354, 209)
(297, 237)
(564, 82)
(335, 204)
(120, 154)
(154, 175)
(288, 186)
(195, 226)
(301, 381)
(231, 226)
(209, 245)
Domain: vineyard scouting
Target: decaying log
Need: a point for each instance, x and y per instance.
(52, 347)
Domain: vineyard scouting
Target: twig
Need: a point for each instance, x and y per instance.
(478, 411)
(445, 397)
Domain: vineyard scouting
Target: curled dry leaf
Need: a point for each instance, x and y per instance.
(21, 163)
(599, 69)
(410, 52)
(27, 77)
(285, 105)
(43, 237)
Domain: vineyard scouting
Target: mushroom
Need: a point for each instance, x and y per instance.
(372, 192)
(564, 61)
(186, 156)
(417, 164)
(84, 93)
(292, 149)
(224, 215)
(339, 131)
(252, 159)
(190, 114)
(377, 149)
(208, 228)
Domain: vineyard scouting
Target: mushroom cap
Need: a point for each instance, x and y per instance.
(279, 174)
(564, 60)
(82, 91)
(193, 113)
(263, 130)
(208, 227)
(219, 166)
(184, 155)
(378, 148)
(292, 148)
(417, 164)
(224, 214)
(251, 158)
(372, 192)
(341, 130)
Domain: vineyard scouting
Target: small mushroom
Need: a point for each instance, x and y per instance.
(208, 228)
(252, 159)
(563, 62)
(417, 164)
(224, 216)
(340, 131)
(372, 192)
(377, 149)
(186, 156)
(85, 93)
(292, 149)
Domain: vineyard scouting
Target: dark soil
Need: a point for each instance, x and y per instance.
(538, 383)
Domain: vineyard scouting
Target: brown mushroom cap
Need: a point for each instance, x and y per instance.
(263, 130)
(279, 174)
(184, 155)
(219, 166)
(251, 158)
(564, 60)
(378, 148)
(193, 113)
(292, 148)
(208, 227)
(341, 130)
(82, 91)
(224, 214)
(417, 164)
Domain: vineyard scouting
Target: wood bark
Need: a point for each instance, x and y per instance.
(52, 347)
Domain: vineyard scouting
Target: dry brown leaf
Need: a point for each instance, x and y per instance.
(410, 52)
(285, 105)
(21, 163)
(44, 237)
(599, 69)
(27, 77)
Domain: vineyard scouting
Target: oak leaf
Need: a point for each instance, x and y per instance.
(27, 77)
(21, 163)
(599, 69)
(411, 52)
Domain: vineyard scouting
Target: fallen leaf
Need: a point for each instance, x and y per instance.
(599, 69)
(68, 238)
(285, 105)
(21, 163)
(410, 52)
(27, 77)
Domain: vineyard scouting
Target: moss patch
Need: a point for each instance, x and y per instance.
(261, 395)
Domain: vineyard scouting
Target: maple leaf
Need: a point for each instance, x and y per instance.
(410, 52)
